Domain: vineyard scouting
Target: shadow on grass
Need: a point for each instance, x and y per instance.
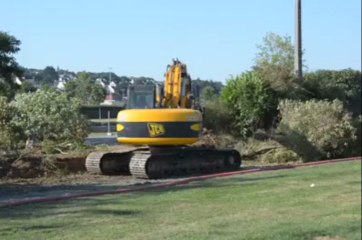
(43, 227)
(115, 212)
(16, 191)
(69, 209)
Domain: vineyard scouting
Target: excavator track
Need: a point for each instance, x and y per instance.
(164, 162)
(93, 162)
(137, 165)
(114, 162)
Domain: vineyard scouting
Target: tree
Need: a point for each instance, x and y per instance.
(344, 85)
(207, 93)
(250, 101)
(275, 63)
(10, 135)
(9, 68)
(85, 89)
(26, 87)
(217, 116)
(201, 84)
(47, 77)
(48, 115)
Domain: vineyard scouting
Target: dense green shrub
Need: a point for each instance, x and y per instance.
(357, 147)
(10, 135)
(250, 101)
(344, 85)
(317, 129)
(48, 115)
(216, 116)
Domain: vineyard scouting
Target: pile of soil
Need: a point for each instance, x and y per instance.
(28, 167)
(6, 159)
(37, 164)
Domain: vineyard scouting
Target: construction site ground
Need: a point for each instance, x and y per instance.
(20, 188)
(30, 175)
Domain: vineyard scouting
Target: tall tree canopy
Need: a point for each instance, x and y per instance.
(275, 63)
(85, 89)
(344, 85)
(9, 68)
(47, 77)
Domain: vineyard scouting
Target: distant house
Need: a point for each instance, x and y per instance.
(61, 85)
(101, 82)
(63, 79)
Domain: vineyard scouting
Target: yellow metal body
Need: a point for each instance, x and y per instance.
(177, 87)
(158, 141)
(159, 115)
(159, 126)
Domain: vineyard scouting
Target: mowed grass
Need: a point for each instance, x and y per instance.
(271, 205)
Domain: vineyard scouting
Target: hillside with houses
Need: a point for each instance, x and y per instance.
(113, 84)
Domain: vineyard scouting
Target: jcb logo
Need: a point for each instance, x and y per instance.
(155, 129)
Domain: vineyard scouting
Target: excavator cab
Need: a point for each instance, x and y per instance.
(141, 97)
(176, 91)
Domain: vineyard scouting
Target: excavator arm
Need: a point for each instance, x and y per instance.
(177, 87)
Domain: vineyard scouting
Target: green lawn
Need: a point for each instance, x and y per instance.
(272, 205)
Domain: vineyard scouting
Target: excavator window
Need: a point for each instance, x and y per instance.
(141, 98)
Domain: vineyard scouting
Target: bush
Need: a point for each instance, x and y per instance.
(217, 117)
(250, 101)
(10, 135)
(48, 115)
(357, 147)
(344, 85)
(317, 129)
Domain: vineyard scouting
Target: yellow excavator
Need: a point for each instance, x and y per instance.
(159, 127)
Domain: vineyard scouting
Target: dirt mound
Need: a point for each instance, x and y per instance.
(6, 158)
(29, 167)
(36, 164)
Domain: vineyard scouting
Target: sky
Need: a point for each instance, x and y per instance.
(216, 39)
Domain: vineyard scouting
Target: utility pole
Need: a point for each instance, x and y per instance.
(298, 40)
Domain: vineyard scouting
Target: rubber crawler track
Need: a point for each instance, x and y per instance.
(14, 203)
